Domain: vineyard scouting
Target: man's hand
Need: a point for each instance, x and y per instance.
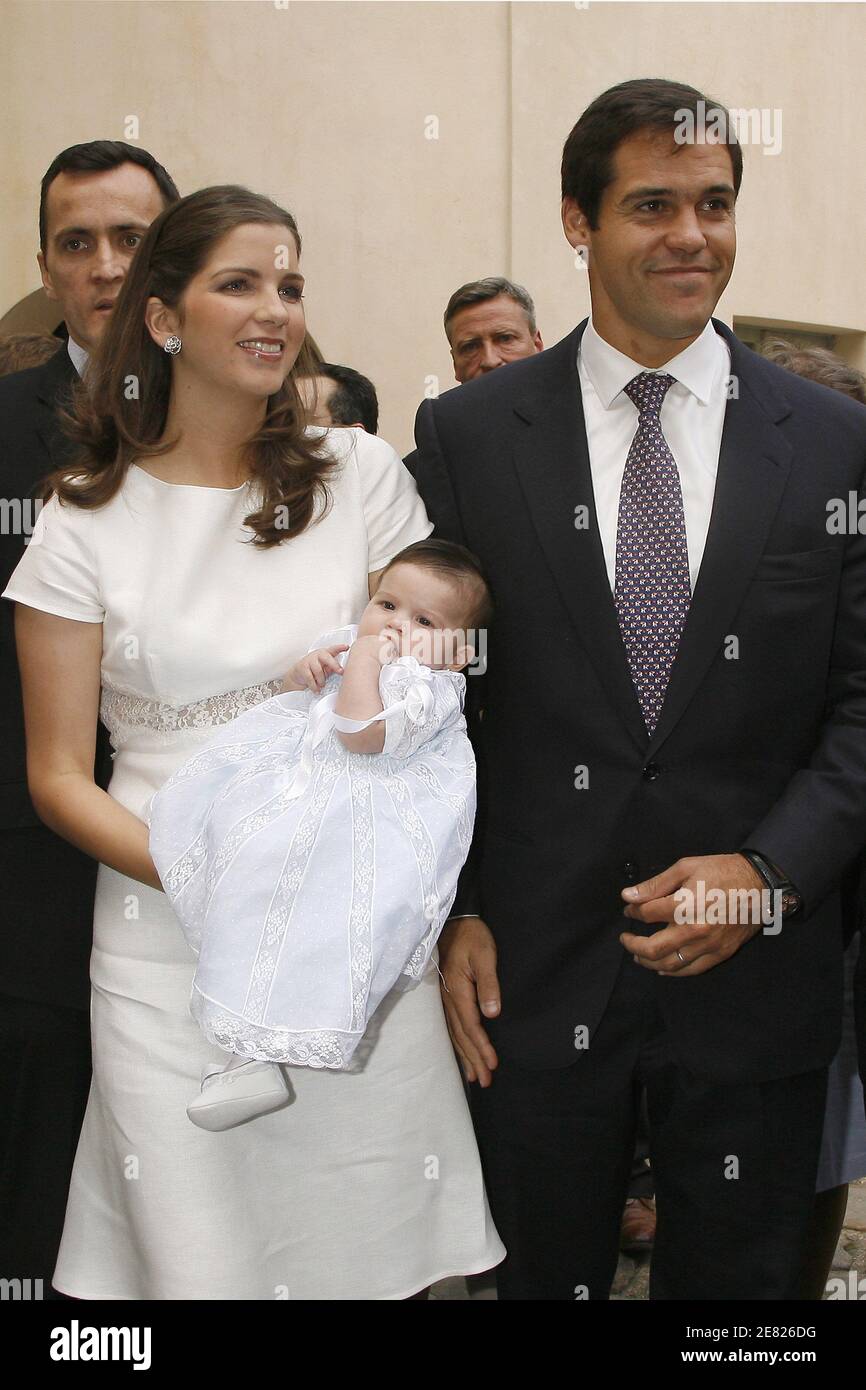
(311, 672)
(687, 943)
(467, 964)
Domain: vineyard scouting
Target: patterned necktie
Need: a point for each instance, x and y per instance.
(652, 590)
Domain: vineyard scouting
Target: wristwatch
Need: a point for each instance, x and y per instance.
(776, 881)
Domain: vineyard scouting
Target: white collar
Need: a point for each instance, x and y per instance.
(696, 367)
(80, 356)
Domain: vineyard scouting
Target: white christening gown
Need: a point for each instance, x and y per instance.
(368, 1184)
(310, 880)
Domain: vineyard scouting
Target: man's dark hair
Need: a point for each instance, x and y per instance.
(354, 398)
(447, 557)
(646, 103)
(818, 364)
(97, 156)
(491, 287)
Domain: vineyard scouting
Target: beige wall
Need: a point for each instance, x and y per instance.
(327, 106)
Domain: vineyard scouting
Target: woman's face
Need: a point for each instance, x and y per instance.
(241, 318)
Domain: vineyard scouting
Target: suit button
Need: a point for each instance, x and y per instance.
(651, 772)
(631, 871)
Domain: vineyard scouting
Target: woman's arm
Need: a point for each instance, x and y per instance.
(59, 660)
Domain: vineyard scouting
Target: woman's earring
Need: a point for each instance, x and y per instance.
(172, 345)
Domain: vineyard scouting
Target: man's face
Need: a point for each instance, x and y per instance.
(94, 224)
(664, 248)
(487, 335)
(316, 393)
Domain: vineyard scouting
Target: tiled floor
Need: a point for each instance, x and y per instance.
(848, 1275)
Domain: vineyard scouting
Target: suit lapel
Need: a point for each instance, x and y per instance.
(58, 376)
(552, 463)
(754, 462)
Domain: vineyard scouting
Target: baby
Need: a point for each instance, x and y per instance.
(311, 851)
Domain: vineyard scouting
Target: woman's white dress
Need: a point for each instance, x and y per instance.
(368, 1185)
(310, 881)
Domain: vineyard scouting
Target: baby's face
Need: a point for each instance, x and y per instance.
(428, 610)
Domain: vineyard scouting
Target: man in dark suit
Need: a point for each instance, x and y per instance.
(97, 201)
(488, 323)
(674, 727)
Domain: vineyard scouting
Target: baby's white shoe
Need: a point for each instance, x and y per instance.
(231, 1096)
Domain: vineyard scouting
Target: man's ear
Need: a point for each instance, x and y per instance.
(160, 321)
(46, 277)
(574, 224)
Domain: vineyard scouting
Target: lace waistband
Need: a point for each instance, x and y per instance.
(123, 713)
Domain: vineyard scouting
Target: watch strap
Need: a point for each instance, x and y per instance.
(776, 881)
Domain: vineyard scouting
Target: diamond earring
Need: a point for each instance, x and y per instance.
(172, 345)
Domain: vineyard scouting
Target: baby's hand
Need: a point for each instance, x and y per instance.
(384, 646)
(311, 672)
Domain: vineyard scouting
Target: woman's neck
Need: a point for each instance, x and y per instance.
(212, 432)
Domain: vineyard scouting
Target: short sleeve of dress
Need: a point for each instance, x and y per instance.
(430, 702)
(394, 513)
(57, 572)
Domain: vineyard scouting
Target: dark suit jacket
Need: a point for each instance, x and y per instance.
(766, 750)
(47, 886)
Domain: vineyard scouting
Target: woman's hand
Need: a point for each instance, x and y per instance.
(59, 660)
(311, 672)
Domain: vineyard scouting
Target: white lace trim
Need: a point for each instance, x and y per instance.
(435, 909)
(124, 713)
(316, 1048)
(273, 930)
(184, 872)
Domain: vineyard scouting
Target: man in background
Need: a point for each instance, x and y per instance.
(97, 201)
(340, 396)
(488, 323)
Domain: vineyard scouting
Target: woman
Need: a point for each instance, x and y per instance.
(192, 556)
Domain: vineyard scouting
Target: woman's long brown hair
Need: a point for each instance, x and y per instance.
(119, 414)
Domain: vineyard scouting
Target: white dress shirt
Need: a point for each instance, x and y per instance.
(692, 416)
(78, 354)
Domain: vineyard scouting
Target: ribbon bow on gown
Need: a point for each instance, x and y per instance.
(416, 704)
